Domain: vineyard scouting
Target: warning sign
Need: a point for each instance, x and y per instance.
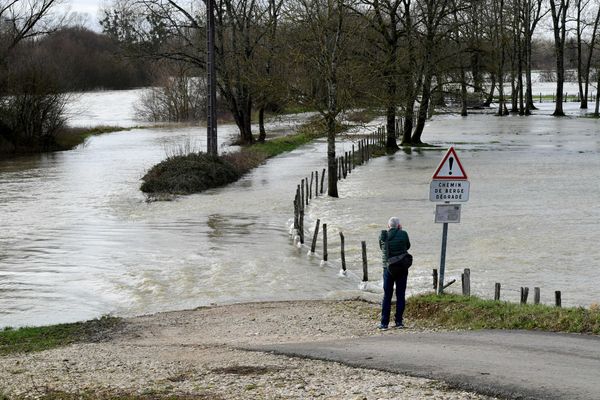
(450, 167)
(446, 190)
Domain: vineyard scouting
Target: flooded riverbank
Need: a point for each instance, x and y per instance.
(79, 240)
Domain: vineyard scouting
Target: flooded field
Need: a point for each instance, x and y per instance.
(79, 240)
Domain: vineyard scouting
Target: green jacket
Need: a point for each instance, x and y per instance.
(399, 243)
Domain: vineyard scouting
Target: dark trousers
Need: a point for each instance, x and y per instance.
(388, 291)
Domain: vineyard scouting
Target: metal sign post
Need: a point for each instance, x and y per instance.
(440, 288)
(449, 183)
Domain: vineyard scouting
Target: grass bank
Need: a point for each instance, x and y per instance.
(185, 173)
(459, 312)
(66, 139)
(30, 339)
(71, 137)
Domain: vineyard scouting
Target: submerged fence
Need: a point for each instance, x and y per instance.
(310, 188)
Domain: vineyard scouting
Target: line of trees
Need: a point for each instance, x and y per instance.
(404, 56)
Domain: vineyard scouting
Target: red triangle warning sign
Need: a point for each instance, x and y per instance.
(450, 167)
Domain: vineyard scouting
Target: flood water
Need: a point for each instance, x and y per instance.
(78, 239)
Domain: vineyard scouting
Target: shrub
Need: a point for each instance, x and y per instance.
(179, 98)
(190, 173)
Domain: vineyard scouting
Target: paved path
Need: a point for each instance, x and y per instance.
(511, 364)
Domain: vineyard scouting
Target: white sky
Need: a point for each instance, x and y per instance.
(89, 7)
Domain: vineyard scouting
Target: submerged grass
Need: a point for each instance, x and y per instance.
(71, 137)
(30, 339)
(460, 312)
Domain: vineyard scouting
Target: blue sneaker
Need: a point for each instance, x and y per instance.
(399, 325)
(382, 327)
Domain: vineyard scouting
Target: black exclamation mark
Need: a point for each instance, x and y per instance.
(451, 160)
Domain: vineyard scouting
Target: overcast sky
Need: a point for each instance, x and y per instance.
(89, 7)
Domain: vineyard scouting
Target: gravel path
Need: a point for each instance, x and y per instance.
(198, 354)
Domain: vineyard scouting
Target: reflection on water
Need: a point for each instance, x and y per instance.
(79, 240)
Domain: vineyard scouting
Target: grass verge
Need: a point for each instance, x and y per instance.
(459, 312)
(71, 137)
(195, 172)
(25, 340)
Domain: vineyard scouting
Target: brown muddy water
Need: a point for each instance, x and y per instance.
(78, 239)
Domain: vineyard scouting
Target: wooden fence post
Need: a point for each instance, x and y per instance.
(315, 236)
(364, 260)
(322, 179)
(497, 291)
(536, 295)
(524, 294)
(302, 187)
(557, 299)
(310, 186)
(316, 183)
(301, 231)
(306, 183)
(343, 253)
(435, 279)
(466, 280)
(324, 242)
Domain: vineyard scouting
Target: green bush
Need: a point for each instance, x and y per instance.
(189, 173)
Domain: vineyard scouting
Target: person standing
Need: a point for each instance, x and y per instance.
(393, 242)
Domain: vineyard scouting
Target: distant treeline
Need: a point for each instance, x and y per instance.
(78, 59)
(41, 59)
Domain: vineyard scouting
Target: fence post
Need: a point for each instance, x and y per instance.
(557, 299)
(435, 279)
(364, 260)
(306, 183)
(536, 295)
(343, 253)
(301, 226)
(524, 294)
(316, 183)
(322, 179)
(315, 235)
(302, 186)
(497, 291)
(467, 282)
(324, 242)
(310, 186)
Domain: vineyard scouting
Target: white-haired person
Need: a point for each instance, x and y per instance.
(394, 243)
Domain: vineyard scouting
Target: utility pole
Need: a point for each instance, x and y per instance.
(211, 118)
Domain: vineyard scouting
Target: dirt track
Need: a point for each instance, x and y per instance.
(197, 353)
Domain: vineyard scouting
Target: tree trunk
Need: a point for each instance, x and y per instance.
(560, 79)
(463, 92)
(391, 143)
(559, 26)
(262, 133)
(597, 109)
(490, 97)
(409, 116)
(422, 116)
(332, 189)
(529, 90)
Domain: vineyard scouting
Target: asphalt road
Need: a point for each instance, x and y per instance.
(510, 364)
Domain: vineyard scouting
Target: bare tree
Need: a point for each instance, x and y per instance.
(559, 9)
(322, 57)
(386, 19)
(165, 29)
